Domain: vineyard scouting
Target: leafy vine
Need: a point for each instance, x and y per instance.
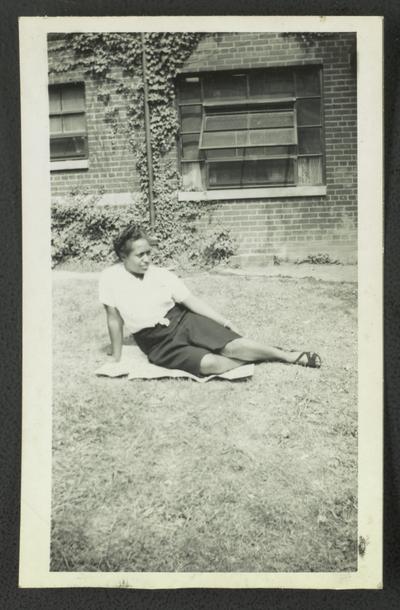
(114, 62)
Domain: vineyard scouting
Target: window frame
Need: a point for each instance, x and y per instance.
(257, 103)
(76, 160)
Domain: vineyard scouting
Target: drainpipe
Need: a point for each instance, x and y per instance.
(147, 133)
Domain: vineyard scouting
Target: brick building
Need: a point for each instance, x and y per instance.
(268, 133)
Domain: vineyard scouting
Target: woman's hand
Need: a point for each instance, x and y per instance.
(231, 326)
(111, 368)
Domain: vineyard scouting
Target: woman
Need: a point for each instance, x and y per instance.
(174, 328)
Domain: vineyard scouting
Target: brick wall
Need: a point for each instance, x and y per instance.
(295, 227)
(111, 162)
(287, 227)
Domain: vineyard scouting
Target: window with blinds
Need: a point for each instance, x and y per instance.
(68, 133)
(251, 129)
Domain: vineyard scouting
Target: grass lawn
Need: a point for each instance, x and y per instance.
(172, 475)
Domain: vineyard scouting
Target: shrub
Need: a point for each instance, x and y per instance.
(218, 246)
(81, 229)
(318, 259)
(84, 230)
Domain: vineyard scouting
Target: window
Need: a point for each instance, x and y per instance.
(68, 135)
(257, 128)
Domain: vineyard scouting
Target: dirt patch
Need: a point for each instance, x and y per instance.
(325, 273)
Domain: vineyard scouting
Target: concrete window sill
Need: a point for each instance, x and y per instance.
(71, 164)
(257, 193)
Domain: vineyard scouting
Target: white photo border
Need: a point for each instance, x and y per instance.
(37, 299)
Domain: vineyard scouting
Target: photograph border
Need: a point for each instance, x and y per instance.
(37, 391)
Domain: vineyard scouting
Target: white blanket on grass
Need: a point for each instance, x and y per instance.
(135, 365)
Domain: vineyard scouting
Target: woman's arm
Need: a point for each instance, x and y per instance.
(115, 325)
(199, 306)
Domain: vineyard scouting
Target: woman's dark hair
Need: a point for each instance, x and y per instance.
(123, 242)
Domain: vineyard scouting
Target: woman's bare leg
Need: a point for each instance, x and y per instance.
(248, 350)
(241, 350)
(215, 364)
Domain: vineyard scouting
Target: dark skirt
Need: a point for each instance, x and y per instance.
(187, 339)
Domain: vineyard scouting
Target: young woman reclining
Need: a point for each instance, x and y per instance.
(173, 327)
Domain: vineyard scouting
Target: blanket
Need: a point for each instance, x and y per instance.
(135, 365)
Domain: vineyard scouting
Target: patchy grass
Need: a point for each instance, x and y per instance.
(170, 475)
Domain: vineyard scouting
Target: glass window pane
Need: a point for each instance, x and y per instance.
(225, 86)
(74, 122)
(190, 118)
(251, 173)
(270, 151)
(272, 119)
(242, 138)
(222, 153)
(228, 121)
(309, 112)
(55, 124)
(225, 174)
(307, 82)
(271, 83)
(54, 99)
(309, 170)
(217, 139)
(189, 89)
(247, 152)
(190, 147)
(72, 98)
(68, 148)
(274, 171)
(310, 140)
(255, 137)
(272, 137)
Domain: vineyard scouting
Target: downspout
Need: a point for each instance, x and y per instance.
(147, 134)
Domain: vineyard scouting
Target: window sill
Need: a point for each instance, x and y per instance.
(257, 193)
(69, 164)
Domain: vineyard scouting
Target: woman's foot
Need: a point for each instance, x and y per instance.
(309, 359)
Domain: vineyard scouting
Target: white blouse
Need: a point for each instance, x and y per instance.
(141, 303)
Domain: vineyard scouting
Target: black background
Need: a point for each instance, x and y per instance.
(11, 319)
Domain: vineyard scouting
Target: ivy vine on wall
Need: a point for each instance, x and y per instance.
(114, 62)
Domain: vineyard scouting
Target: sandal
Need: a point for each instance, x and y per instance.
(313, 360)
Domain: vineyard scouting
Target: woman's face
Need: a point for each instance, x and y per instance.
(138, 259)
